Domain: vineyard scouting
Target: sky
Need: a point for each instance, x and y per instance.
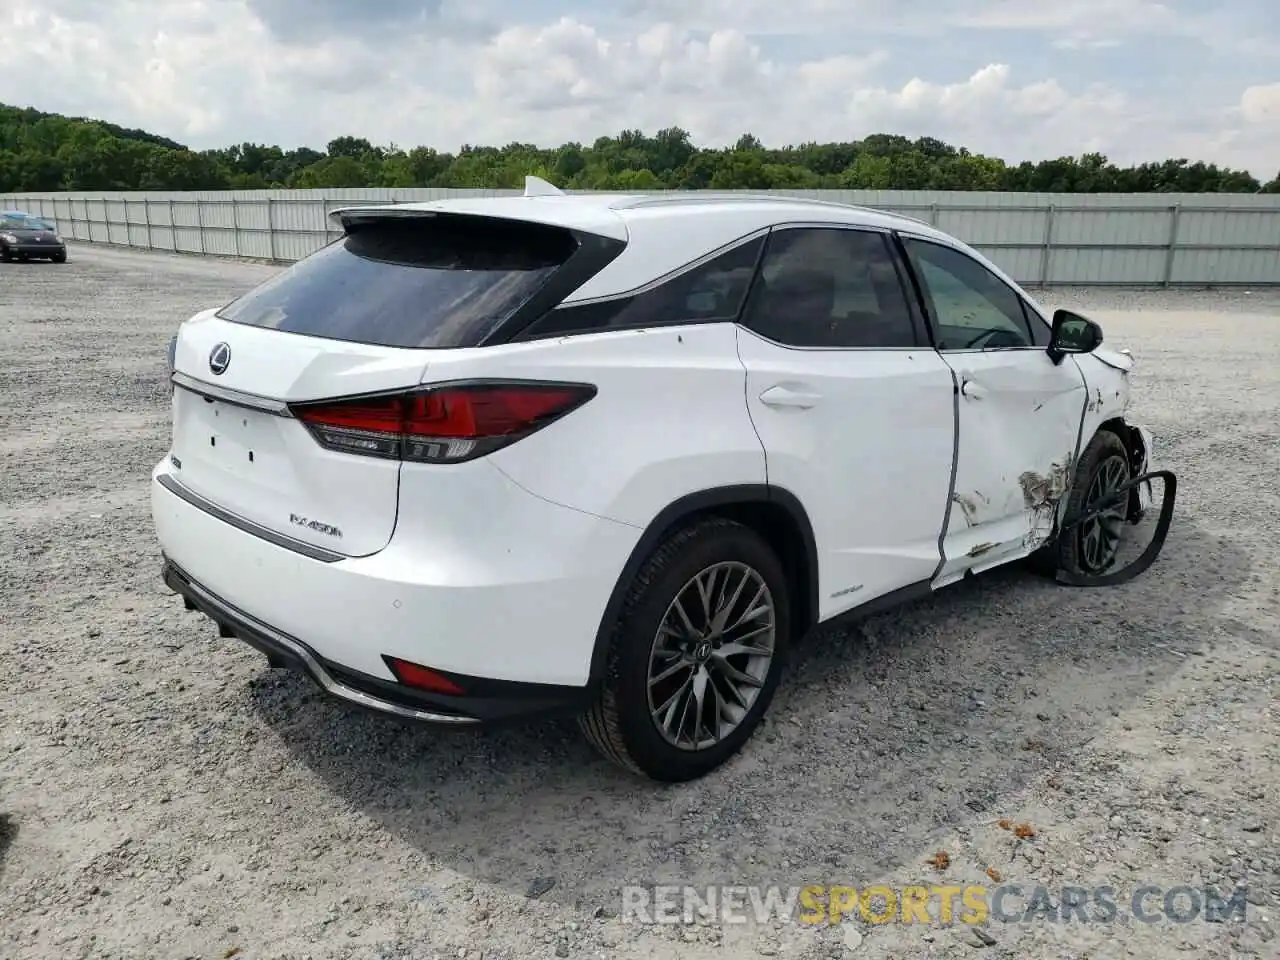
(1019, 79)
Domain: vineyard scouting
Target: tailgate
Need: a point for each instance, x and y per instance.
(236, 444)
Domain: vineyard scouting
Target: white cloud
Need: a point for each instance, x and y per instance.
(569, 65)
(1077, 17)
(1068, 15)
(1082, 40)
(994, 79)
(990, 111)
(1261, 105)
(1254, 132)
(722, 86)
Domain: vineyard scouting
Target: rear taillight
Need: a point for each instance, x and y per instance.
(451, 423)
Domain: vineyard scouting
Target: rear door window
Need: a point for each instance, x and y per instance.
(830, 287)
(419, 282)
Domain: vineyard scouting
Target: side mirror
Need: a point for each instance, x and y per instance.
(1072, 333)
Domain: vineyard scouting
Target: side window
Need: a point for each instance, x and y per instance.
(712, 291)
(1040, 329)
(972, 307)
(829, 287)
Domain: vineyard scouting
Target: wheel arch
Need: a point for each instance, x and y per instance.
(1130, 436)
(1135, 448)
(773, 512)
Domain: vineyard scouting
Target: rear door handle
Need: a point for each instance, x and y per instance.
(780, 396)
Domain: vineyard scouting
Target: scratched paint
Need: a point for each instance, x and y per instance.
(1041, 495)
(970, 505)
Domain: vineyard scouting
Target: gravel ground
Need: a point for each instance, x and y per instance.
(164, 794)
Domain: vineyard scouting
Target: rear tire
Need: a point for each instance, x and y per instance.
(1104, 458)
(59, 258)
(646, 716)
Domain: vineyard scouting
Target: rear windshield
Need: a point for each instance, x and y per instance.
(438, 281)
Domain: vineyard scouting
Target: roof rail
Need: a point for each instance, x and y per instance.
(900, 216)
(698, 196)
(720, 196)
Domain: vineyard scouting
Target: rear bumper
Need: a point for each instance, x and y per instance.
(495, 701)
(504, 595)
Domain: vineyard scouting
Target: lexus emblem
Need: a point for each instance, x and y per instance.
(220, 358)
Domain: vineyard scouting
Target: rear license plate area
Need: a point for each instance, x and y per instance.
(229, 438)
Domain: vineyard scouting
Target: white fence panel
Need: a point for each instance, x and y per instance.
(1039, 238)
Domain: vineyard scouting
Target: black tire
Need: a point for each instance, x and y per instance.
(6, 255)
(620, 723)
(1064, 551)
(59, 258)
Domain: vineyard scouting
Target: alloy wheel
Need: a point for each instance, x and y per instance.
(1100, 536)
(711, 655)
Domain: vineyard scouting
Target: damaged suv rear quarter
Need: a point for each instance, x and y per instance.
(741, 417)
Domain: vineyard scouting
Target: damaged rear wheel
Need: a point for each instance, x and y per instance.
(1090, 548)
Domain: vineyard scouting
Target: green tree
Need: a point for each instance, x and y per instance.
(48, 152)
(340, 171)
(357, 148)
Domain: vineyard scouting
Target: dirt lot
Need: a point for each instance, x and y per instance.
(166, 795)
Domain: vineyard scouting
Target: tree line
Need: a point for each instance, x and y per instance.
(43, 152)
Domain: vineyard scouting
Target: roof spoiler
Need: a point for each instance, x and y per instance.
(343, 216)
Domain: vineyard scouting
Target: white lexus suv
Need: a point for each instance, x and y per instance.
(610, 455)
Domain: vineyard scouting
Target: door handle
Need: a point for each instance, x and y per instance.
(780, 396)
(973, 390)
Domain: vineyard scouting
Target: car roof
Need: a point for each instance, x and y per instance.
(664, 232)
(609, 214)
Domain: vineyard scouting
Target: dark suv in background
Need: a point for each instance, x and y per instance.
(24, 237)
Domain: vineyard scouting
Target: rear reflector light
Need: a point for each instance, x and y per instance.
(420, 678)
(446, 424)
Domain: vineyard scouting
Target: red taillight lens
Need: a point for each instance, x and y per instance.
(447, 424)
(421, 678)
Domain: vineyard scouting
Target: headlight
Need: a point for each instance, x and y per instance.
(58, 237)
(8, 238)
